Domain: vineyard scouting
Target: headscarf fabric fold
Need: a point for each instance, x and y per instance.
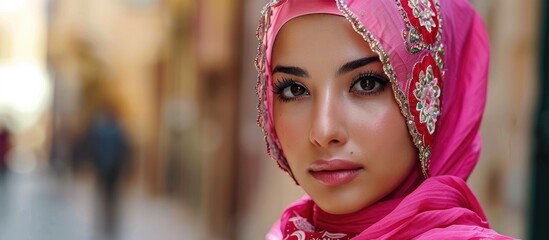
(443, 207)
(439, 47)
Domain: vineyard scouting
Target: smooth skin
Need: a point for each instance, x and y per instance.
(333, 101)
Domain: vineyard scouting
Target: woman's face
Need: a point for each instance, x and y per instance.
(335, 115)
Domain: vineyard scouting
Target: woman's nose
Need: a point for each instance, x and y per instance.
(327, 127)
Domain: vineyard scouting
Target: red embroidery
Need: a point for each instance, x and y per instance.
(425, 97)
(299, 228)
(424, 17)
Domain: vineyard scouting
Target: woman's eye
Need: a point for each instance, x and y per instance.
(287, 89)
(368, 84)
(293, 91)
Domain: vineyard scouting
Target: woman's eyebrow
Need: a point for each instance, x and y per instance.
(296, 71)
(347, 67)
(352, 65)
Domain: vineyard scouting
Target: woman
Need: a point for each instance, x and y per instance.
(373, 107)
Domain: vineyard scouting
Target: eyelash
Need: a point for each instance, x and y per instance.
(280, 86)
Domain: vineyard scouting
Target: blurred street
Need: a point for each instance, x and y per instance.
(137, 119)
(42, 205)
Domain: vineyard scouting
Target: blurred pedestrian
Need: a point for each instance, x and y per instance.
(5, 146)
(109, 152)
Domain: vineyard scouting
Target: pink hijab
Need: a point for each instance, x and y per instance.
(436, 55)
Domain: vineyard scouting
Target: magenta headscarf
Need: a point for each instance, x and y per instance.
(436, 55)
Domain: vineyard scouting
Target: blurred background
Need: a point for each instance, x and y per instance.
(136, 119)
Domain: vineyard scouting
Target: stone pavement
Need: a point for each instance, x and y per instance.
(42, 206)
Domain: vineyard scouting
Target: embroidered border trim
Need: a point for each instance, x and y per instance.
(261, 87)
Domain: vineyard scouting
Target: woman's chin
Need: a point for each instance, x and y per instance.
(342, 206)
(338, 209)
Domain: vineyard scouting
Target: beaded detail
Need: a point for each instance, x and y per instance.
(261, 88)
(423, 35)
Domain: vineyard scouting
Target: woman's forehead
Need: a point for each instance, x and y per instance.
(318, 39)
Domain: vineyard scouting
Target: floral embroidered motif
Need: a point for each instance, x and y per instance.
(301, 223)
(421, 10)
(423, 24)
(425, 97)
(299, 228)
(427, 92)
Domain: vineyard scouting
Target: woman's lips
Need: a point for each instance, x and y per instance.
(334, 172)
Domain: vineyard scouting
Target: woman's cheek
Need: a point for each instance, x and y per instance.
(289, 132)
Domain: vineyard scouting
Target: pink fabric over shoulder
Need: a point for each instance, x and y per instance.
(437, 54)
